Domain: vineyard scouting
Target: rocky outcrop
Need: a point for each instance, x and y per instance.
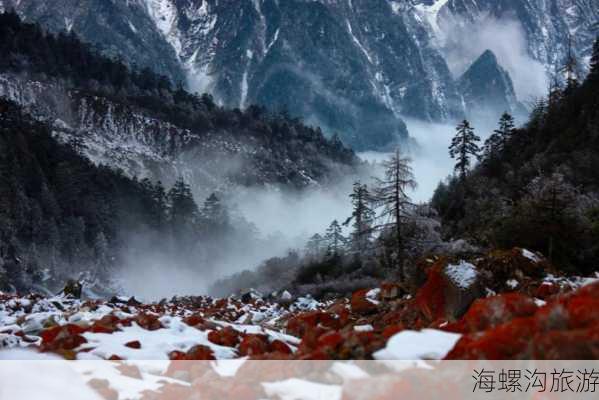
(488, 90)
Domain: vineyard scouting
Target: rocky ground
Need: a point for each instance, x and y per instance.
(503, 305)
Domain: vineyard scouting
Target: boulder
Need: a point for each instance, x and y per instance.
(515, 264)
(450, 289)
(362, 303)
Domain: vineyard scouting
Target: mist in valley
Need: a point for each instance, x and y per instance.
(284, 220)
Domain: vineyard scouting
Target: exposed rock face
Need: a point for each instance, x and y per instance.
(547, 25)
(488, 89)
(355, 67)
(120, 29)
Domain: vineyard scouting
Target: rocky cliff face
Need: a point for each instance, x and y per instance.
(488, 89)
(547, 24)
(352, 66)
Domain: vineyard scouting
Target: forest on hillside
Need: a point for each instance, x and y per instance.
(64, 217)
(534, 186)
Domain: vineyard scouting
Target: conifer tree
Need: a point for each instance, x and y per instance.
(497, 142)
(334, 238)
(362, 216)
(464, 147)
(314, 245)
(215, 214)
(183, 211)
(391, 194)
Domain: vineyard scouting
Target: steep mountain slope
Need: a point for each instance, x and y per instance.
(61, 216)
(488, 89)
(354, 67)
(121, 29)
(548, 25)
(136, 122)
(539, 188)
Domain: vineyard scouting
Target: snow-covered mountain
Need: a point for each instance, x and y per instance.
(356, 67)
(130, 138)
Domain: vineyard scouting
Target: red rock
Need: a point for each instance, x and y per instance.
(580, 344)
(301, 323)
(390, 291)
(106, 324)
(430, 299)
(392, 330)
(134, 344)
(225, 337)
(492, 311)
(131, 371)
(102, 387)
(360, 304)
(253, 345)
(148, 321)
(194, 320)
(62, 338)
(199, 352)
(507, 341)
(280, 347)
(546, 289)
(177, 356)
(330, 339)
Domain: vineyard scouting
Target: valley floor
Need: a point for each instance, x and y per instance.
(458, 313)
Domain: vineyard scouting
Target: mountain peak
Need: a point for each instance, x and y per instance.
(487, 86)
(487, 56)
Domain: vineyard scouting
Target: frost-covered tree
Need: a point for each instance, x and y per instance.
(464, 147)
(392, 195)
(362, 217)
(334, 238)
(183, 212)
(314, 246)
(549, 206)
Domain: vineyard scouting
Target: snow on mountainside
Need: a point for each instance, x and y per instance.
(129, 138)
(354, 67)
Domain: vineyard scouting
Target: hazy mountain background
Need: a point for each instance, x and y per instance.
(357, 67)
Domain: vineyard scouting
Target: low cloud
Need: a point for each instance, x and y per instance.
(463, 41)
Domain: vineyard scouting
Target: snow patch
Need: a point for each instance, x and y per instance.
(427, 344)
(357, 42)
(299, 389)
(363, 328)
(462, 274)
(512, 283)
(431, 13)
(531, 256)
(155, 345)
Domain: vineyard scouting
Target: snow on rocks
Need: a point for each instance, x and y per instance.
(463, 274)
(428, 344)
(531, 256)
(364, 325)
